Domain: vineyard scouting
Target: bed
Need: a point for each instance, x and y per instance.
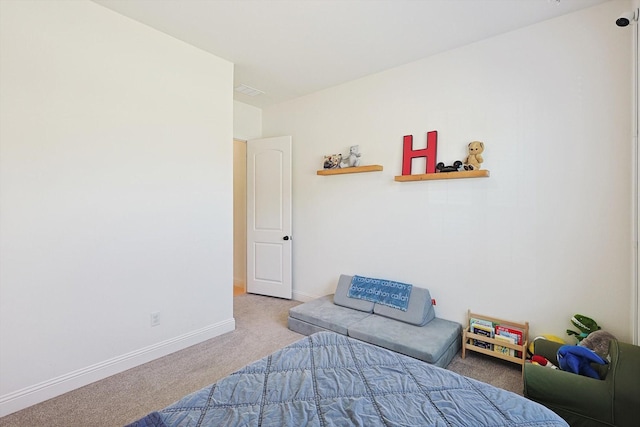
(327, 379)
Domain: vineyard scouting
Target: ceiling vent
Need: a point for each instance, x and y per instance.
(248, 90)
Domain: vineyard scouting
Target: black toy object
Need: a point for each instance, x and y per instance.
(440, 167)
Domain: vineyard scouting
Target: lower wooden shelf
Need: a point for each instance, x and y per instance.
(481, 173)
(354, 169)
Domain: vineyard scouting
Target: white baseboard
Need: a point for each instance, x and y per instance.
(15, 401)
(304, 297)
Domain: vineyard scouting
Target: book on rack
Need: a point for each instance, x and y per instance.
(515, 333)
(484, 330)
(475, 321)
(502, 349)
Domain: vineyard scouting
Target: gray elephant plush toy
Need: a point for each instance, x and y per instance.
(598, 341)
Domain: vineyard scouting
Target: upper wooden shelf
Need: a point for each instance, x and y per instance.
(482, 173)
(355, 169)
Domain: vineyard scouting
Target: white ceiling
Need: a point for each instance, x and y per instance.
(290, 48)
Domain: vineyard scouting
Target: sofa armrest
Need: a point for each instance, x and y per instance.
(547, 349)
(626, 377)
(569, 392)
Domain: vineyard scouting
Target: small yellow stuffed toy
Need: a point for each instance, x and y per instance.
(474, 157)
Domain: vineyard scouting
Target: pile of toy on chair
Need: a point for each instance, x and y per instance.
(592, 348)
(595, 382)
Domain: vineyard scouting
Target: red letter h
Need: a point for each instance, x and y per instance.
(430, 153)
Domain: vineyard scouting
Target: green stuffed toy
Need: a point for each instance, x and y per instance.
(585, 324)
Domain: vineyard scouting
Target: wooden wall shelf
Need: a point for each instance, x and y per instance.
(355, 169)
(482, 173)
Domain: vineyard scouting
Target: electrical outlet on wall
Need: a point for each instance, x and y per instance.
(155, 318)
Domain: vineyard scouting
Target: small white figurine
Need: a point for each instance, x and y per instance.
(351, 159)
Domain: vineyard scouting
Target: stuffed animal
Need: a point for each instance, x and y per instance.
(474, 157)
(456, 166)
(351, 159)
(332, 161)
(598, 341)
(577, 359)
(585, 324)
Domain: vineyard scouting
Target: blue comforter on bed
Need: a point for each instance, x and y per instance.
(327, 379)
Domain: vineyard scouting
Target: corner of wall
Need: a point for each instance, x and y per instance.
(247, 121)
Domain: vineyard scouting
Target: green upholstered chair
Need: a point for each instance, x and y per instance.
(583, 401)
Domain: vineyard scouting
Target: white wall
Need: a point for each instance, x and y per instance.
(548, 235)
(247, 121)
(116, 195)
(636, 122)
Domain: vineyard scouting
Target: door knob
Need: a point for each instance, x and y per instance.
(285, 238)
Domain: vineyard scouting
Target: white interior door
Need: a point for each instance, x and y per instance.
(269, 217)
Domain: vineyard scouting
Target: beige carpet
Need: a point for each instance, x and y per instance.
(261, 328)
